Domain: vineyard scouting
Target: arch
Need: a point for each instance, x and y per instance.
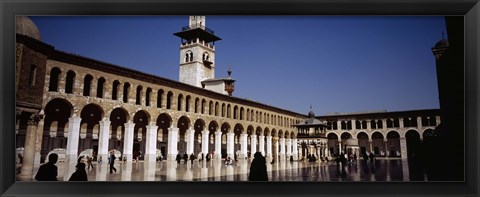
(377, 135)
(197, 100)
(164, 121)
(429, 133)
(58, 110)
(250, 130)
(223, 110)
(213, 126)
(53, 83)
(242, 111)
(91, 115)
(363, 144)
(287, 134)
(138, 95)
(141, 119)
(118, 118)
(70, 82)
(87, 83)
(266, 131)
(259, 131)
(216, 108)
(169, 99)
(115, 86)
(413, 144)
(187, 103)
(238, 129)
(235, 112)
(179, 102)
(100, 87)
(393, 144)
(147, 96)
(274, 133)
(225, 127)
(183, 125)
(210, 108)
(228, 111)
(126, 90)
(159, 98)
(199, 125)
(280, 134)
(204, 103)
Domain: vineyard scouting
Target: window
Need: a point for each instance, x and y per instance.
(126, 89)
(32, 75)
(53, 84)
(69, 83)
(115, 90)
(100, 87)
(147, 96)
(87, 81)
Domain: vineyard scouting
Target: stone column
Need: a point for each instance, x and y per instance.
(230, 143)
(339, 146)
(128, 142)
(243, 145)
(261, 144)
(282, 148)
(29, 151)
(295, 148)
(218, 144)
(385, 144)
(151, 144)
(403, 147)
(269, 146)
(190, 135)
(72, 142)
(326, 151)
(370, 143)
(339, 125)
(38, 143)
(172, 143)
(369, 125)
(103, 140)
(289, 147)
(205, 143)
(253, 145)
(400, 122)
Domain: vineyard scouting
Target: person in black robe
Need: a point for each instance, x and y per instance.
(185, 157)
(48, 171)
(258, 168)
(80, 174)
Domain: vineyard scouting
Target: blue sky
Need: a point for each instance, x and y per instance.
(334, 63)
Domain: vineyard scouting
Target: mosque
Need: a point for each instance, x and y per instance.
(74, 105)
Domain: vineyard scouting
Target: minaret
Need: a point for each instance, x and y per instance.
(197, 52)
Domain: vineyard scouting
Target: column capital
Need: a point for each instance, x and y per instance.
(218, 132)
(152, 127)
(205, 132)
(104, 122)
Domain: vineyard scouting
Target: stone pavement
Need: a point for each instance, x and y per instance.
(215, 170)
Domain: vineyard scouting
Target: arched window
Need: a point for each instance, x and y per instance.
(115, 90)
(69, 83)
(223, 110)
(53, 84)
(379, 124)
(32, 76)
(126, 89)
(235, 111)
(196, 105)
(169, 100)
(179, 103)
(210, 108)
(203, 106)
(187, 103)
(87, 82)
(228, 111)
(147, 96)
(216, 108)
(159, 98)
(188, 56)
(205, 56)
(138, 97)
(100, 87)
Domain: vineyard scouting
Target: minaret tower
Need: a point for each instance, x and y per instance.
(197, 52)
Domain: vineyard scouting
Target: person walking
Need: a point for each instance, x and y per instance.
(192, 157)
(89, 162)
(48, 171)
(80, 174)
(258, 168)
(112, 162)
(178, 158)
(185, 157)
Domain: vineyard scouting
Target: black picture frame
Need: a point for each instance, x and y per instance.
(470, 9)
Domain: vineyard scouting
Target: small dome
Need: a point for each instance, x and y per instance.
(311, 114)
(442, 43)
(25, 26)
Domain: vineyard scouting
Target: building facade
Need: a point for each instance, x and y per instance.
(75, 105)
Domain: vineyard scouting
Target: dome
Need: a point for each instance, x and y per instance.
(442, 43)
(311, 114)
(25, 26)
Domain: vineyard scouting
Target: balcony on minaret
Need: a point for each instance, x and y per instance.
(197, 34)
(197, 41)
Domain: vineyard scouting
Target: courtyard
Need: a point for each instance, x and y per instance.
(216, 170)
